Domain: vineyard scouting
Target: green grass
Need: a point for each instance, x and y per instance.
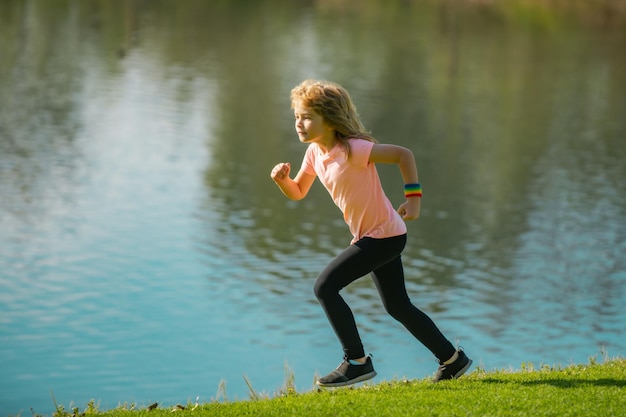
(597, 389)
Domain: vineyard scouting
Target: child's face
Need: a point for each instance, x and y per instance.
(310, 125)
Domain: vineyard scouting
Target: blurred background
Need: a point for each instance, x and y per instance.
(146, 255)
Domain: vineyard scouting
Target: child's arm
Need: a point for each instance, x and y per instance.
(295, 189)
(403, 157)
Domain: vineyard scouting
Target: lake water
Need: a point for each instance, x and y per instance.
(146, 255)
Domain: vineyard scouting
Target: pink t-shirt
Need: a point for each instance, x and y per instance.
(355, 188)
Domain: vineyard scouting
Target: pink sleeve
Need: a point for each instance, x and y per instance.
(308, 163)
(360, 150)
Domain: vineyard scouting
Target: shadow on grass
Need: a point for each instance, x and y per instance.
(559, 383)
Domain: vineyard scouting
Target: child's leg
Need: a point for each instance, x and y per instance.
(354, 262)
(389, 280)
(348, 266)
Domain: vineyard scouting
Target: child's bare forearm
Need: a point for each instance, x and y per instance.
(408, 167)
(289, 188)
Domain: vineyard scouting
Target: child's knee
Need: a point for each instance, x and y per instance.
(318, 289)
(402, 312)
(323, 287)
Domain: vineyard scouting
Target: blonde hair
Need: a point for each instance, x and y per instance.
(333, 103)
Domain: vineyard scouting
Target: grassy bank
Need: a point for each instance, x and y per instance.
(594, 389)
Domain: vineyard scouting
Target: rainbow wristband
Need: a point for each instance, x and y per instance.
(412, 190)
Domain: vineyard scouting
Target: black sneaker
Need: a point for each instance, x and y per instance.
(455, 369)
(347, 374)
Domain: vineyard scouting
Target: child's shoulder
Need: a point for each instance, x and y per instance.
(360, 150)
(361, 144)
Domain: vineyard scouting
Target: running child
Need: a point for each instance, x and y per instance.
(343, 155)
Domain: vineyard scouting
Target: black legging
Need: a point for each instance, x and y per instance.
(381, 257)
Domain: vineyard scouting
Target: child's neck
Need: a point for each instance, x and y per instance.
(327, 142)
